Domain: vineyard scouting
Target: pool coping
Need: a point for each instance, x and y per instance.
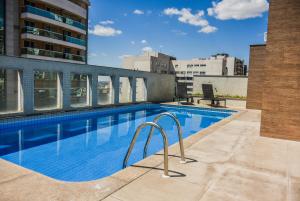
(108, 185)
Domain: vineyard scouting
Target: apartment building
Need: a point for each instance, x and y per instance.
(55, 30)
(151, 62)
(219, 65)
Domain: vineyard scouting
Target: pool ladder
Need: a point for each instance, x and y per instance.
(165, 140)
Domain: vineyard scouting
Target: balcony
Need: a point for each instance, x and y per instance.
(53, 16)
(54, 35)
(57, 56)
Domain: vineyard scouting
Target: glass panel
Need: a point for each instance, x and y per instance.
(2, 32)
(141, 90)
(45, 90)
(125, 93)
(105, 90)
(79, 90)
(53, 16)
(9, 91)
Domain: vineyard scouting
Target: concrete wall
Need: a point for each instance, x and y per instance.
(12, 28)
(281, 90)
(160, 87)
(223, 85)
(256, 76)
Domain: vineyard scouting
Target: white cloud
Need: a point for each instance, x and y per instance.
(147, 49)
(238, 9)
(138, 12)
(92, 54)
(143, 41)
(106, 22)
(100, 30)
(124, 56)
(208, 29)
(186, 16)
(132, 42)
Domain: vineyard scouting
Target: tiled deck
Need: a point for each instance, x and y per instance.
(228, 161)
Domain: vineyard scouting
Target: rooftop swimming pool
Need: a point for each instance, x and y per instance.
(85, 146)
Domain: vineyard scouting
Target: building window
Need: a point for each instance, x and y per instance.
(202, 73)
(2, 28)
(28, 44)
(104, 90)
(125, 92)
(29, 24)
(47, 91)
(197, 65)
(141, 90)
(49, 47)
(79, 90)
(202, 65)
(10, 91)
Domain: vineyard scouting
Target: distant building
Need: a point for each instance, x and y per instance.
(151, 62)
(185, 70)
(219, 65)
(47, 30)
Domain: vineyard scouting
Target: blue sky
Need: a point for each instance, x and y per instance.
(182, 28)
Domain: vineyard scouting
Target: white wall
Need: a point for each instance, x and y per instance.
(226, 85)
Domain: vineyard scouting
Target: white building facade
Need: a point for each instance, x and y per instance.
(185, 70)
(150, 62)
(216, 65)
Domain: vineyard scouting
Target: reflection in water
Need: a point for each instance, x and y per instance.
(94, 147)
(20, 138)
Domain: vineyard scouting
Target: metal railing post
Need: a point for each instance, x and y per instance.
(165, 142)
(179, 134)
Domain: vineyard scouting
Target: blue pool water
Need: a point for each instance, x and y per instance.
(91, 145)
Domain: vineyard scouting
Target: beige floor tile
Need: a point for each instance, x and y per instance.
(111, 198)
(10, 171)
(36, 188)
(264, 153)
(193, 171)
(153, 187)
(248, 185)
(294, 158)
(294, 189)
(211, 156)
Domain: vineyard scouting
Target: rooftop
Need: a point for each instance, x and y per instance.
(227, 161)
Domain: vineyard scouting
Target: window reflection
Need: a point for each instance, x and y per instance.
(79, 90)
(104, 90)
(125, 93)
(9, 91)
(2, 29)
(46, 93)
(141, 90)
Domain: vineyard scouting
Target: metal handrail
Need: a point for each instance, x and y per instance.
(165, 141)
(179, 134)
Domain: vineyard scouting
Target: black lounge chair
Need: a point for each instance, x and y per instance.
(182, 93)
(208, 94)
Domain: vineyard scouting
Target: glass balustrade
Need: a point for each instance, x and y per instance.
(54, 35)
(54, 54)
(53, 16)
(75, 40)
